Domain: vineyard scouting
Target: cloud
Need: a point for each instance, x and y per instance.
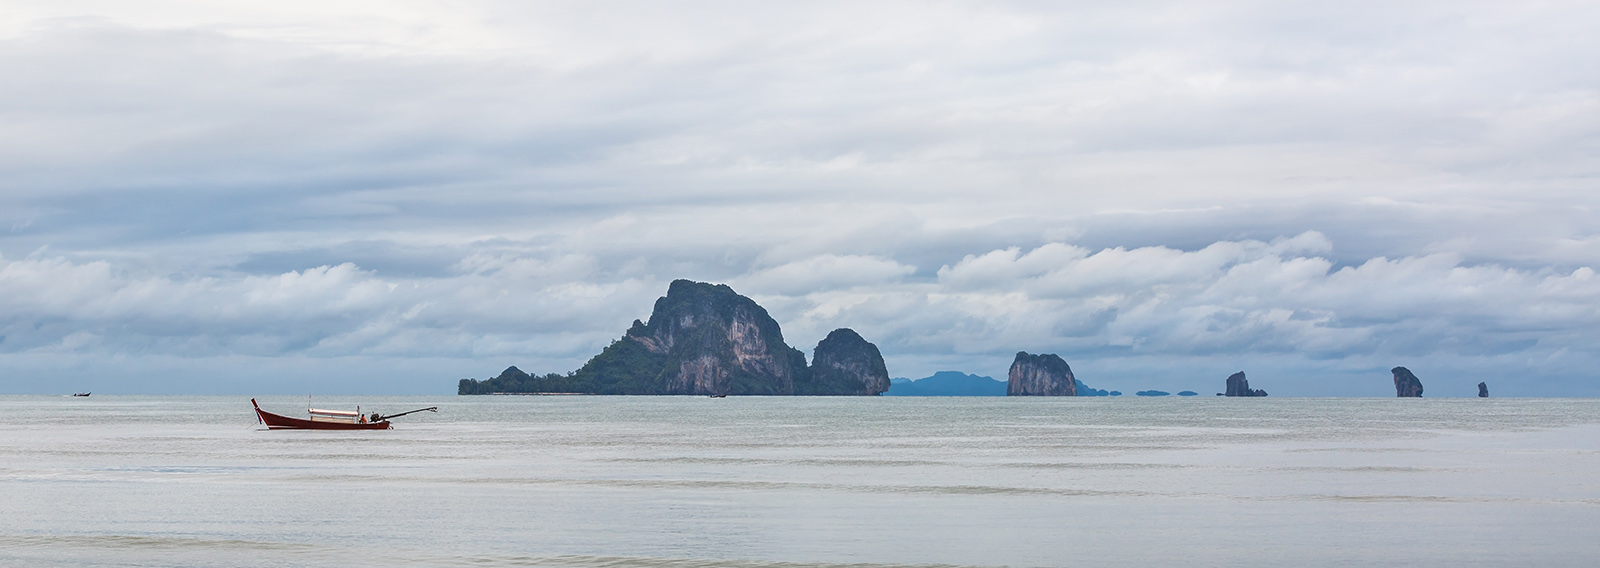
(1239, 300)
(1233, 299)
(1156, 181)
(327, 311)
(825, 273)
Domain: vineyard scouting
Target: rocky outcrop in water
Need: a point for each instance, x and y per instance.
(844, 363)
(1040, 375)
(1405, 383)
(707, 339)
(1238, 386)
(1483, 390)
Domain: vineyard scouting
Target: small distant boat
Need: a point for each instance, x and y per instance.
(719, 396)
(319, 419)
(80, 394)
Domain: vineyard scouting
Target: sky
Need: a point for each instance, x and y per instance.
(287, 197)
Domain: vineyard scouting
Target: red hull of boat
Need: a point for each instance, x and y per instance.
(281, 422)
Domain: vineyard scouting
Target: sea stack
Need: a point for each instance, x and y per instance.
(1238, 386)
(1044, 374)
(845, 364)
(1483, 390)
(1406, 385)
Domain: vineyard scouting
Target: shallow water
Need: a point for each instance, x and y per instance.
(777, 482)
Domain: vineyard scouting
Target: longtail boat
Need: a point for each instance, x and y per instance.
(319, 419)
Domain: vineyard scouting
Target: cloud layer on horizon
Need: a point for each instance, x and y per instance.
(1150, 188)
(1233, 300)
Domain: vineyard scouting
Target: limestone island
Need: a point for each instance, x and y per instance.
(1239, 386)
(1045, 374)
(705, 339)
(1406, 385)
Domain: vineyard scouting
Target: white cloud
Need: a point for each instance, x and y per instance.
(1236, 299)
(456, 179)
(824, 273)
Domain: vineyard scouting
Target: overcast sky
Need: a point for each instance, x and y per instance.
(385, 197)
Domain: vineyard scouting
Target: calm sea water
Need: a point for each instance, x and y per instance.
(780, 482)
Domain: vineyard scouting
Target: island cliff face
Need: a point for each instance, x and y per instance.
(844, 363)
(1040, 375)
(710, 340)
(1238, 386)
(707, 339)
(1405, 383)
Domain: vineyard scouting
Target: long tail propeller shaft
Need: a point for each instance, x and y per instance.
(428, 409)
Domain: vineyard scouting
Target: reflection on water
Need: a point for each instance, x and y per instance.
(813, 481)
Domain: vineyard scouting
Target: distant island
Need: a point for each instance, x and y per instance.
(947, 383)
(956, 383)
(1238, 385)
(706, 339)
(1406, 384)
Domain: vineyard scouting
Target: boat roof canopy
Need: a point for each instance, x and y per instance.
(334, 412)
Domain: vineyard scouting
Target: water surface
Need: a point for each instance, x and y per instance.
(803, 481)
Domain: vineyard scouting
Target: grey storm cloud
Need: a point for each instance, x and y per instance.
(394, 196)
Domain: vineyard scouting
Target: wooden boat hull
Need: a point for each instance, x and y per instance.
(281, 422)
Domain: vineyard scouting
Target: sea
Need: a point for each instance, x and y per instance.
(789, 482)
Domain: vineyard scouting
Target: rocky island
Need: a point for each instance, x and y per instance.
(1406, 384)
(1045, 374)
(705, 339)
(1239, 386)
(844, 363)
